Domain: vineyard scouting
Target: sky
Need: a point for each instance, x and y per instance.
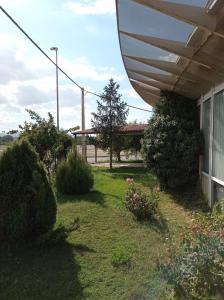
(85, 32)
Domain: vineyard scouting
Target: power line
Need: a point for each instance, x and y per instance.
(61, 70)
(135, 107)
(38, 47)
(126, 104)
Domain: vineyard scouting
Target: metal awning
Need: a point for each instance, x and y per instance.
(174, 46)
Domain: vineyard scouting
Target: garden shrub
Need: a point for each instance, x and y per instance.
(143, 206)
(172, 142)
(50, 143)
(74, 175)
(198, 271)
(159, 289)
(27, 203)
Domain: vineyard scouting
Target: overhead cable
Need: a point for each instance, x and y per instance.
(60, 69)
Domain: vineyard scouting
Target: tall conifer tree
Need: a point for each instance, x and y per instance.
(111, 114)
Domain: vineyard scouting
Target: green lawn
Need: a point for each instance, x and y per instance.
(80, 267)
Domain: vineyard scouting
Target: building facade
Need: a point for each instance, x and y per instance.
(212, 162)
(179, 46)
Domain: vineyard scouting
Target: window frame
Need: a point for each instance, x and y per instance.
(210, 95)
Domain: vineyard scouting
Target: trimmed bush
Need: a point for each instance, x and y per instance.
(27, 203)
(143, 206)
(172, 142)
(74, 175)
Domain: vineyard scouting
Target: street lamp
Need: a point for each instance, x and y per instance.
(56, 51)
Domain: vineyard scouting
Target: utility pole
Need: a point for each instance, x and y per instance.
(83, 123)
(57, 93)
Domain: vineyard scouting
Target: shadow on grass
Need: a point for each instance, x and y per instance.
(190, 198)
(93, 196)
(140, 175)
(115, 197)
(158, 223)
(39, 273)
(83, 249)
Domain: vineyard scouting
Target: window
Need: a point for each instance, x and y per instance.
(206, 132)
(218, 138)
(213, 156)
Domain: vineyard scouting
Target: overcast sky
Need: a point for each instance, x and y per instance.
(85, 33)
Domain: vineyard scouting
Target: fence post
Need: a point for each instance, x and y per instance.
(95, 154)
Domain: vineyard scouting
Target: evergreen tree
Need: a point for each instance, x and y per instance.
(27, 202)
(111, 114)
(172, 142)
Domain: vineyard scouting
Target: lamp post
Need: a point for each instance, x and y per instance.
(57, 94)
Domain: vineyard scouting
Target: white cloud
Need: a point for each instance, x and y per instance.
(29, 95)
(80, 68)
(3, 99)
(170, 57)
(18, 45)
(13, 3)
(131, 93)
(92, 7)
(27, 80)
(12, 68)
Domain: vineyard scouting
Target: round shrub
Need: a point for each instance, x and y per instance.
(74, 175)
(27, 203)
(143, 206)
(172, 142)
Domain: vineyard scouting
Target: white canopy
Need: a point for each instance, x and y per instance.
(176, 46)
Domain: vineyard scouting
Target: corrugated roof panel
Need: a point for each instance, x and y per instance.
(200, 51)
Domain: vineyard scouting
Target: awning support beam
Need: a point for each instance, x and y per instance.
(147, 88)
(179, 48)
(168, 79)
(174, 68)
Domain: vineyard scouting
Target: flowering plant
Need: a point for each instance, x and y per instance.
(197, 272)
(142, 205)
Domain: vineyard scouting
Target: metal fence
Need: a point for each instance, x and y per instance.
(98, 155)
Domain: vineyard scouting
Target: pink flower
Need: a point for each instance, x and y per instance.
(136, 196)
(130, 180)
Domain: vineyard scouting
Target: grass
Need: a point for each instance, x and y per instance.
(111, 256)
